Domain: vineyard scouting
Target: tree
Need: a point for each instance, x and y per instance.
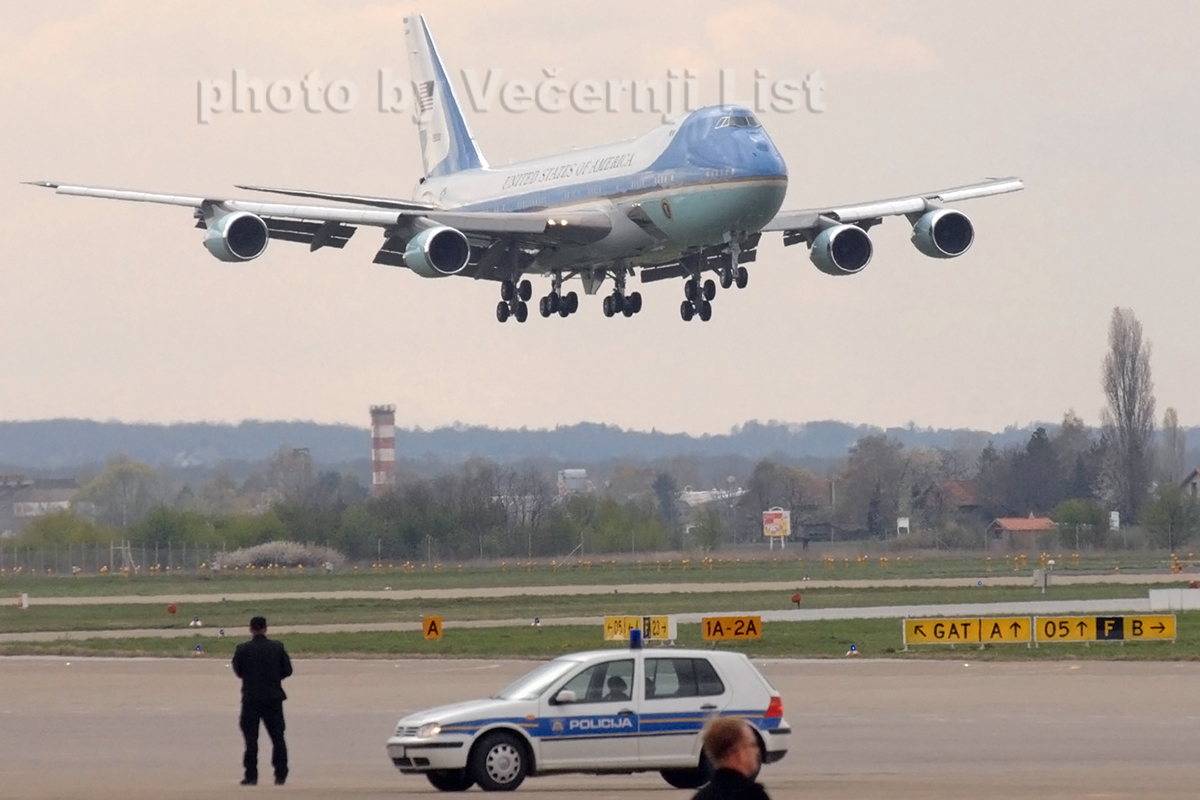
(709, 530)
(1129, 416)
(869, 487)
(666, 492)
(1036, 475)
(1172, 460)
(122, 493)
(1173, 516)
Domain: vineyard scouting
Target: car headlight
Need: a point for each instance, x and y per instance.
(429, 730)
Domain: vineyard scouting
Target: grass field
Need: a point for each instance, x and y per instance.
(820, 639)
(760, 567)
(817, 639)
(232, 615)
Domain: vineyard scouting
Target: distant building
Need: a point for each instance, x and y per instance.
(574, 481)
(1028, 531)
(22, 499)
(1192, 482)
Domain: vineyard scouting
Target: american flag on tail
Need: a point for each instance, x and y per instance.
(424, 96)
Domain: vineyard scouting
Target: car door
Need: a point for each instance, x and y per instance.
(679, 695)
(599, 729)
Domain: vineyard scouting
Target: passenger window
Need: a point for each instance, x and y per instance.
(681, 677)
(603, 683)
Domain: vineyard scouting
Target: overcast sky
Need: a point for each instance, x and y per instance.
(115, 310)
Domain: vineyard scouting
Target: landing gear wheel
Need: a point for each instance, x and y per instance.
(710, 290)
(502, 311)
(618, 301)
(687, 311)
(691, 290)
(507, 290)
(498, 763)
(627, 308)
(563, 310)
(634, 300)
(544, 307)
(726, 278)
(705, 311)
(572, 302)
(742, 277)
(553, 301)
(525, 290)
(608, 306)
(521, 312)
(450, 780)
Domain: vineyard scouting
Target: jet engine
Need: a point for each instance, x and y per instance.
(841, 250)
(239, 236)
(943, 233)
(437, 252)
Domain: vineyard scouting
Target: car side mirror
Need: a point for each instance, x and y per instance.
(565, 696)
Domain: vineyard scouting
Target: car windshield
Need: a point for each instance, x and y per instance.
(531, 685)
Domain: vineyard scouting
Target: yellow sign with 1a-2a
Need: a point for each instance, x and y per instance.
(721, 628)
(989, 630)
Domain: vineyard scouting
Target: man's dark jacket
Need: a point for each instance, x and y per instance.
(262, 664)
(729, 784)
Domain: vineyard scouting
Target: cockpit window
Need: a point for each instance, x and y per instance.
(747, 121)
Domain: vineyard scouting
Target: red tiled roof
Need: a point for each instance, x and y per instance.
(1025, 524)
(960, 494)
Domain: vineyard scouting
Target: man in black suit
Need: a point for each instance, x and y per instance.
(262, 664)
(732, 749)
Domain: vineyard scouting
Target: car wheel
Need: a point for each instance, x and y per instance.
(689, 778)
(451, 780)
(685, 778)
(499, 762)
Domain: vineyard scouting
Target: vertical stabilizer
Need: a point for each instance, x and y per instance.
(446, 143)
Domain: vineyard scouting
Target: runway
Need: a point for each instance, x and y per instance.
(101, 728)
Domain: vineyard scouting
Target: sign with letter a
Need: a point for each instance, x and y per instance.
(432, 627)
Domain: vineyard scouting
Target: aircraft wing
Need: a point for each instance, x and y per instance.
(873, 212)
(332, 226)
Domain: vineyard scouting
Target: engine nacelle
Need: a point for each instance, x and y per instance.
(239, 236)
(943, 233)
(437, 252)
(841, 250)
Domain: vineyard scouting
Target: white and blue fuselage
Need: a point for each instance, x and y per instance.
(686, 184)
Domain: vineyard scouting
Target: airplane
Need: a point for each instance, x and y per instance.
(691, 197)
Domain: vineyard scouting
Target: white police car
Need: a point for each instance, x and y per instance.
(598, 711)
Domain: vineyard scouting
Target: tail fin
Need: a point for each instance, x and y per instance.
(446, 142)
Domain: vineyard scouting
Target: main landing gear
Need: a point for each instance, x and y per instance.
(699, 296)
(699, 299)
(556, 302)
(620, 303)
(627, 304)
(513, 300)
(562, 304)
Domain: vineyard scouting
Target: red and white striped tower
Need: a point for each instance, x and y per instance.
(383, 449)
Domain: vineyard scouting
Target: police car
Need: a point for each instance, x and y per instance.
(601, 711)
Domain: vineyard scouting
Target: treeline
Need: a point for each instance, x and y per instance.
(483, 509)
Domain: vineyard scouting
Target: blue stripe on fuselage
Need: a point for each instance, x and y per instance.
(700, 153)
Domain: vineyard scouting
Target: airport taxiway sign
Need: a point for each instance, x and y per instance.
(720, 628)
(1153, 627)
(973, 630)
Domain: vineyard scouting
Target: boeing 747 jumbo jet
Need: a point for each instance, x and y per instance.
(690, 197)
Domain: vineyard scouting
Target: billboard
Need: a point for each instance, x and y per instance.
(777, 522)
